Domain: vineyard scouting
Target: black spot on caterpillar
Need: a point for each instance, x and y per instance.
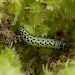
(40, 42)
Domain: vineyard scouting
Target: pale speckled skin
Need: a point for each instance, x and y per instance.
(40, 42)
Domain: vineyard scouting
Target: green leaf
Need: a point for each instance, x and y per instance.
(29, 29)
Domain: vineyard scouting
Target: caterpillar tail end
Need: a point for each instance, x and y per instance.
(62, 46)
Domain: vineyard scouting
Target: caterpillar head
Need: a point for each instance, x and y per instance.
(22, 31)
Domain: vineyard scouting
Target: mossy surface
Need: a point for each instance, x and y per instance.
(41, 18)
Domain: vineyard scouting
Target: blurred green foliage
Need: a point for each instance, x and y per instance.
(44, 18)
(9, 62)
(68, 69)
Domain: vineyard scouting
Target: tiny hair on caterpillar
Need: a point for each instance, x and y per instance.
(40, 42)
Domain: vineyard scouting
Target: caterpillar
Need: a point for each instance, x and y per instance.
(40, 42)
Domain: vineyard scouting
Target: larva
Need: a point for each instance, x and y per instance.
(40, 42)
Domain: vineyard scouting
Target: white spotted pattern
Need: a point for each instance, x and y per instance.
(40, 42)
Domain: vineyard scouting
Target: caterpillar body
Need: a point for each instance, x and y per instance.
(40, 42)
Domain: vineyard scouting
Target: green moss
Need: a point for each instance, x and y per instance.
(9, 63)
(68, 69)
(44, 18)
